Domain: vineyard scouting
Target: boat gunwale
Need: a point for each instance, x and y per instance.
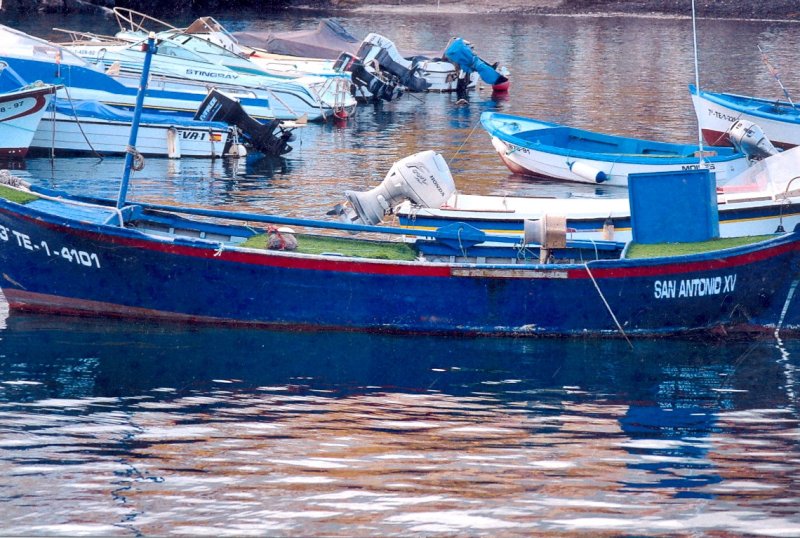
(731, 101)
(615, 268)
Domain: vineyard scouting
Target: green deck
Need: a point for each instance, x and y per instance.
(13, 195)
(680, 249)
(358, 248)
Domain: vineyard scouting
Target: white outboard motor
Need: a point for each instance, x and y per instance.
(424, 178)
(748, 138)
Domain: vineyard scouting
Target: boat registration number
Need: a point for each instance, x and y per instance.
(71, 255)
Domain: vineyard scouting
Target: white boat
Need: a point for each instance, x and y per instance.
(341, 77)
(188, 55)
(544, 149)
(91, 127)
(717, 112)
(21, 111)
(761, 200)
(26, 58)
(314, 98)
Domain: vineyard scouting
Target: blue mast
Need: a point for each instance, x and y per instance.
(150, 49)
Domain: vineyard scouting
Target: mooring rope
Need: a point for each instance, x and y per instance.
(77, 122)
(608, 307)
(464, 142)
(789, 297)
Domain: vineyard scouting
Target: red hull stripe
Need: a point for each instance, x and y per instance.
(289, 261)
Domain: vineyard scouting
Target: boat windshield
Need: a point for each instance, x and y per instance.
(174, 50)
(203, 46)
(21, 45)
(777, 176)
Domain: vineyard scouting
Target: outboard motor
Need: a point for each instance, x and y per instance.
(748, 138)
(424, 178)
(460, 53)
(363, 78)
(378, 48)
(269, 138)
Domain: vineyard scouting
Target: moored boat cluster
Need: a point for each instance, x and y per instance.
(466, 264)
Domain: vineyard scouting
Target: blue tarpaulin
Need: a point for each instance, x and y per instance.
(95, 109)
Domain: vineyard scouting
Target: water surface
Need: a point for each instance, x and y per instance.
(121, 428)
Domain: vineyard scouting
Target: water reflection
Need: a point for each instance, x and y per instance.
(388, 434)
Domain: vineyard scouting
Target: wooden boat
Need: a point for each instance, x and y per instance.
(91, 127)
(81, 256)
(717, 112)
(544, 149)
(21, 110)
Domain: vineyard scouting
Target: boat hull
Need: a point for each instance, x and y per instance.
(59, 264)
(716, 112)
(64, 134)
(542, 149)
(20, 114)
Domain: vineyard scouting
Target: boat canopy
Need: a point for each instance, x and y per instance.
(328, 40)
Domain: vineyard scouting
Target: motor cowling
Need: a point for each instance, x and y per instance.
(384, 52)
(748, 138)
(423, 178)
(364, 79)
(270, 138)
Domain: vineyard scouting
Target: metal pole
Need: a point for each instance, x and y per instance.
(697, 78)
(137, 113)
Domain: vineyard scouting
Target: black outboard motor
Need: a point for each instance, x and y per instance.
(384, 52)
(269, 138)
(362, 78)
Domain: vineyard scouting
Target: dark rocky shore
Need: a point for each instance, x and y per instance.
(737, 9)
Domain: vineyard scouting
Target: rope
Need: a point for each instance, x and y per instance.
(464, 142)
(785, 308)
(211, 138)
(461, 245)
(608, 307)
(138, 158)
(77, 122)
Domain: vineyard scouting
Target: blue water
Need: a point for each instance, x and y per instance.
(121, 428)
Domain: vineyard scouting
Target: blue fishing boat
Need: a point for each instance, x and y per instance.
(543, 149)
(717, 112)
(75, 255)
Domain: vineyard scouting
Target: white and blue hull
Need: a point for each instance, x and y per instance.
(549, 150)
(716, 112)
